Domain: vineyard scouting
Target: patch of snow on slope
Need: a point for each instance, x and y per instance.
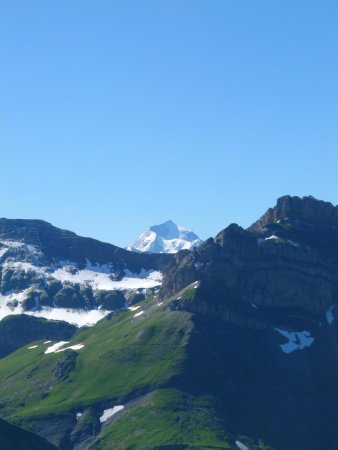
(56, 346)
(329, 315)
(32, 346)
(76, 317)
(6, 308)
(134, 308)
(71, 347)
(25, 266)
(138, 314)
(100, 279)
(3, 251)
(272, 237)
(297, 340)
(96, 276)
(110, 412)
(241, 446)
(12, 244)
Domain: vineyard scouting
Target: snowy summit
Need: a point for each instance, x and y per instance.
(166, 238)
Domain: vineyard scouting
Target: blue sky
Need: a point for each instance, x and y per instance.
(116, 115)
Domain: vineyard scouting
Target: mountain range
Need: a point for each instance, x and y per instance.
(230, 345)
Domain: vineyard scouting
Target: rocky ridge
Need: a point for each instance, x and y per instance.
(286, 261)
(53, 273)
(240, 340)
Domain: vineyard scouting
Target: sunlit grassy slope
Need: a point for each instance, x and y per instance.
(131, 359)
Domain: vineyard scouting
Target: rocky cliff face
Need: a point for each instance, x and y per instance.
(287, 261)
(266, 299)
(305, 210)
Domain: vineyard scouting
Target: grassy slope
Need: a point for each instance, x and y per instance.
(126, 360)
(174, 417)
(122, 356)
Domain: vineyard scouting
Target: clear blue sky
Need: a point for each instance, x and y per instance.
(116, 115)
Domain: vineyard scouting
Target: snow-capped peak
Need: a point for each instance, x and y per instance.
(166, 238)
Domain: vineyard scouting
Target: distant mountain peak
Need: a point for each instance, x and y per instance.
(166, 237)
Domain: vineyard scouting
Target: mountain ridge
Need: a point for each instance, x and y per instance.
(237, 340)
(50, 272)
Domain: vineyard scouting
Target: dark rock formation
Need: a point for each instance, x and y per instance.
(15, 438)
(286, 265)
(306, 209)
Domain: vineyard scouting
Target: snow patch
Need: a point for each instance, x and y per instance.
(53, 348)
(134, 308)
(78, 415)
(72, 347)
(78, 317)
(96, 276)
(57, 347)
(12, 244)
(3, 251)
(297, 340)
(274, 237)
(241, 446)
(25, 266)
(99, 278)
(33, 346)
(107, 413)
(138, 314)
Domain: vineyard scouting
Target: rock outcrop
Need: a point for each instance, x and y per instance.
(281, 263)
(307, 210)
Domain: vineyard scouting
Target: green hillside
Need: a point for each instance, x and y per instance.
(139, 362)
